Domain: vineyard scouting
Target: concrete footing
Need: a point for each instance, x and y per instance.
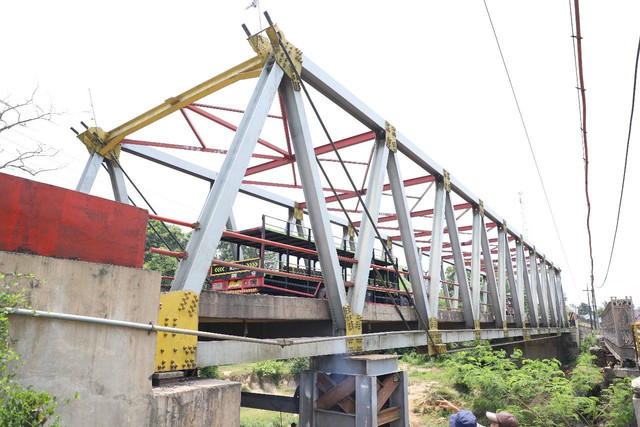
(202, 402)
(361, 391)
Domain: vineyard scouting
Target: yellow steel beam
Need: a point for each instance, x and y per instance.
(246, 70)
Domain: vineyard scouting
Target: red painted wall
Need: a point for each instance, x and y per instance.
(46, 220)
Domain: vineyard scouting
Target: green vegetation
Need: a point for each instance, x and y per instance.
(209, 372)
(250, 417)
(297, 365)
(19, 405)
(269, 369)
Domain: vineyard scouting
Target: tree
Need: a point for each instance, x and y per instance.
(583, 309)
(21, 114)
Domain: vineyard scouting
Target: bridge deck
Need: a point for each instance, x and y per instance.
(267, 316)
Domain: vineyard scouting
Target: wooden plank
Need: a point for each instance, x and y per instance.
(388, 415)
(336, 394)
(325, 383)
(389, 385)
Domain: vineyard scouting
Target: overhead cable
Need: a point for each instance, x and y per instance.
(626, 157)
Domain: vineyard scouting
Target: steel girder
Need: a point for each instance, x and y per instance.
(241, 151)
(318, 214)
(367, 236)
(192, 271)
(414, 264)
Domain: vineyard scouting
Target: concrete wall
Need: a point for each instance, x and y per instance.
(212, 403)
(109, 367)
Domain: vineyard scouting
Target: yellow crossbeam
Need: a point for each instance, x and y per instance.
(247, 70)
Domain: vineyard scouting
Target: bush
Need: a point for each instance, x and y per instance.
(19, 406)
(537, 393)
(209, 372)
(617, 404)
(298, 365)
(269, 369)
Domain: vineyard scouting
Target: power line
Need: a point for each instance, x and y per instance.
(626, 157)
(585, 147)
(535, 161)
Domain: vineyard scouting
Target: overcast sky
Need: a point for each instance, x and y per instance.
(431, 68)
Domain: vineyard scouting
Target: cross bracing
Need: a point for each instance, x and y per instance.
(278, 155)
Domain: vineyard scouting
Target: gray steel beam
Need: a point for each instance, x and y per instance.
(517, 296)
(367, 236)
(338, 94)
(475, 260)
(202, 245)
(502, 278)
(548, 294)
(564, 305)
(366, 401)
(490, 279)
(554, 292)
(416, 275)
(461, 270)
(529, 285)
(89, 173)
(435, 254)
(231, 352)
(316, 204)
(117, 182)
(533, 261)
(445, 288)
(232, 226)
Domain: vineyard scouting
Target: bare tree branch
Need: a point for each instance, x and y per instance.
(21, 113)
(18, 162)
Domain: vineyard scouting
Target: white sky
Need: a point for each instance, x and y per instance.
(431, 68)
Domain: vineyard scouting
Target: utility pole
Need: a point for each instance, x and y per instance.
(590, 306)
(595, 307)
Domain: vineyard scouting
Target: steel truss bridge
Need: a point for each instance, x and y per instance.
(503, 286)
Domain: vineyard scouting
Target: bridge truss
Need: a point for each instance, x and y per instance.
(502, 286)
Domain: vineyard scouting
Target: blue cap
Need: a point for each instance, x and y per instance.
(463, 418)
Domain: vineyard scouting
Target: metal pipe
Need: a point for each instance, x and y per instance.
(133, 325)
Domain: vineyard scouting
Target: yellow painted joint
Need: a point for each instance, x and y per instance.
(476, 325)
(504, 328)
(390, 137)
(481, 208)
(351, 231)
(447, 181)
(175, 352)
(354, 327)
(435, 344)
(93, 138)
(297, 211)
(264, 46)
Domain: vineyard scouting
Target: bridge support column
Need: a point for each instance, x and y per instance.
(366, 390)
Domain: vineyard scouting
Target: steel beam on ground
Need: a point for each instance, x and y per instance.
(318, 215)
(476, 244)
(416, 275)
(517, 294)
(462, 290)
(366, 235)
(117, 182)
(89, 173)
(490, 278)
(202, 245)
(435, 254)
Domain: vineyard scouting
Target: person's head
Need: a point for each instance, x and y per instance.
(463, 418)
(502, 419)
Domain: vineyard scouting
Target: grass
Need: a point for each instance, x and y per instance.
(250, 417)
